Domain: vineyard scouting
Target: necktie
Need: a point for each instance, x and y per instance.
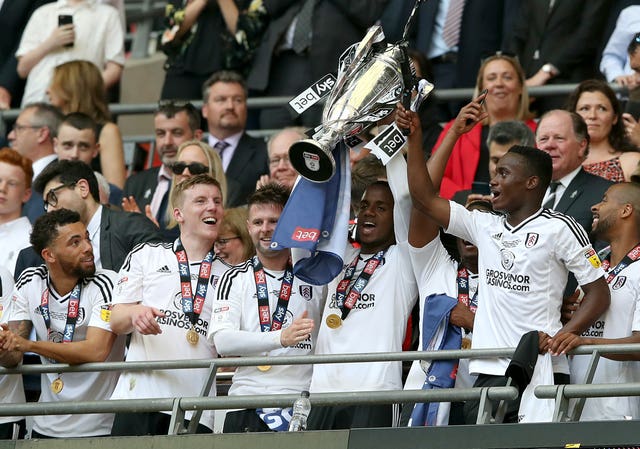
(302, 31)
(220, 146)
(451, 28)
(551, 201)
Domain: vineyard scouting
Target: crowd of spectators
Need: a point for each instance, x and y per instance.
(171, 255)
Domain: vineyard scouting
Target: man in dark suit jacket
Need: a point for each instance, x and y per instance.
(280, 70)
(14, 15)
(564, 135)
(557, 42)
(244, 158)
(72, 185)
(174, 124)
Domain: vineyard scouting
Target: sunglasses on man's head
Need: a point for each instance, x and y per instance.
(195, 168)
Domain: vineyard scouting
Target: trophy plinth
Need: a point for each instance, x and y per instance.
(312, 161)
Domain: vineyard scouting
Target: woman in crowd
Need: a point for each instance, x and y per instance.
(77, 86)
(507, 99)
(611, 153)
(234, 244)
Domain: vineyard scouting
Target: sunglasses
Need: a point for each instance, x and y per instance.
(195, 168)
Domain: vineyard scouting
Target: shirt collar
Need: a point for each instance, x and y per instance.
(232, 140)
(41, 163)
(566, 180)
(94, 223)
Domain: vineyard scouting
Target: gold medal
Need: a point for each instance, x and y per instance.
(192, 337)
(466, 343)
(57, 386)
(264, 368)
(334, 321)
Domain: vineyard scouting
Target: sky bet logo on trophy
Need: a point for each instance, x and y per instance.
(373, 76)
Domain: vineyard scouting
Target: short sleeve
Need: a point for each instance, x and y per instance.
(129, 284)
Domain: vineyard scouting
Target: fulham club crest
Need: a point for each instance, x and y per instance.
(619, 283)
(532, 239)
(305, 292)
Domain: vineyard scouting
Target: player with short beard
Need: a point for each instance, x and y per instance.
(66, 301)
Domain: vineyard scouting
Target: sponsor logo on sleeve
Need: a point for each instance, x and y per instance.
(593, 258)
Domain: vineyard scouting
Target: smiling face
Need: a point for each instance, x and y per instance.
(71, 251)
(199, 212)
(605, 213)
(261, 224)
(597, 111)
(555, 135)
(509, 184)
(280, 168)
(375, 219)
(501, 79)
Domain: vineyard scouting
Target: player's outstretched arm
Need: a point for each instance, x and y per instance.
(126, 318)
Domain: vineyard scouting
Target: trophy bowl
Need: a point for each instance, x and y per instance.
(368, 87)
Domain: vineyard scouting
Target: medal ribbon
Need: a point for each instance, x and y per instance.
(73, 308)
(267, 322)
(191, 307)
(631, 257)
(463, 290)
(347, 300)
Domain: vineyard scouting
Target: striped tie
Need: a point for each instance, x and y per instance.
(451, 28)
(220, 146)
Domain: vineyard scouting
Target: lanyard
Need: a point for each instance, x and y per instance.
(347, 300)
(191, 307)
(631, 257)
(267, 322)
(73, 309)
(463, 290)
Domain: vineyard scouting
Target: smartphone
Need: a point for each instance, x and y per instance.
(484, 92)
(633, 108)
(481, 187)
(65, 19)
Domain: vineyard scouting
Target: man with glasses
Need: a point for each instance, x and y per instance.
(280, 168)
(174, 122)
(32, 137)
(73, 185)
(244, 158)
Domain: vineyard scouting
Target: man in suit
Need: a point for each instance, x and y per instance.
(287, 62)
(538, 30)
(174, 123)
(244, 158)
(565, 137)
(573, 191)
(113, 233)
(32, 136)
(14, 15)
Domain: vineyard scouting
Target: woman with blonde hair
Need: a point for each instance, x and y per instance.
(507, 99)
(77, 86)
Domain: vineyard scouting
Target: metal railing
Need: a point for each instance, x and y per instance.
(178, 406)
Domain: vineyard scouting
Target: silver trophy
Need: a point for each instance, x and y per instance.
(372, 77)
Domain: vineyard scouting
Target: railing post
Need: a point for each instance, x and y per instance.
(176, 425)
(140, 45)
(576, 412)
(561, 410)
(206, 388)
(484, 408)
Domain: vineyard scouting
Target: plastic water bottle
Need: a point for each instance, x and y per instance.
(301, 409)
